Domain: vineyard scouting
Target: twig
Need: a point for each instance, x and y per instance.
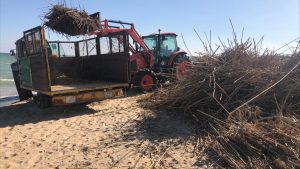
(287, 44)
(204, 45)
(186, 45)
(233, 33)
(214, 83)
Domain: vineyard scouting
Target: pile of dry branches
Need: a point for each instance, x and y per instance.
(217, 85)
(236, 95)
(272, 144)
(70, 21)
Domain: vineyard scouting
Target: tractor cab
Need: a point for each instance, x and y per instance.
(163, 45)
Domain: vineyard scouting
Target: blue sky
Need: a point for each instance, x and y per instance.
(276, 20)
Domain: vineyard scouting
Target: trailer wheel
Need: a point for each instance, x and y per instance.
(145, 80)
(43, 101)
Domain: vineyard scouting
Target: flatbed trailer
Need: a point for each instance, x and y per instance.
(64, 72)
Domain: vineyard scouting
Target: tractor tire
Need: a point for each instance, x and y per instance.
(145, 80)
(43, 101)
(180, 67)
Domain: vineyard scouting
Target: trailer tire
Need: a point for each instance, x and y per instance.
(42, 100)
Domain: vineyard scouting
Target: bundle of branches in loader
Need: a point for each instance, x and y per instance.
(231, 94)
(70, 21)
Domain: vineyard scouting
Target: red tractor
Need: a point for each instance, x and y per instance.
(154, 59)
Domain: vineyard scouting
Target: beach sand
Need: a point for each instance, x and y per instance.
(108, 134)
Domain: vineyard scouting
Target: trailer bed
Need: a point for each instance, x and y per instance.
(85, 86)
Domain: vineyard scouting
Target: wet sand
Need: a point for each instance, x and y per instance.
(108, 134)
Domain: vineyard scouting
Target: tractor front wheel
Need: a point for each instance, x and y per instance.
(145, 80)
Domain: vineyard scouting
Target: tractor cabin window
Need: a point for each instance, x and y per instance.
(150, 42)
(168, 45)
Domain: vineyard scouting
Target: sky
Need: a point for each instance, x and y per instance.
(276, 20)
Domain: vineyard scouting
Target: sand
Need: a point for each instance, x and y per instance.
(114, 133)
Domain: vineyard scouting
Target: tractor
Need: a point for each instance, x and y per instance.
(154, 59)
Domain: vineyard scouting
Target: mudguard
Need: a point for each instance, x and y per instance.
(173, 57)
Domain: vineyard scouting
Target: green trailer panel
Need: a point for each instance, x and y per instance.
(25, 72)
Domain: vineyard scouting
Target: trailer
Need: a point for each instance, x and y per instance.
(66, 72)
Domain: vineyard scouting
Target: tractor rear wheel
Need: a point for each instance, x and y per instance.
(42, 100)
(145, 80)
(180, 66)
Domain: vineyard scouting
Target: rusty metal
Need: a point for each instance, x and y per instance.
(86, 96)
(36, 52)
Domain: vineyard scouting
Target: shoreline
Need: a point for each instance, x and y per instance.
(8, 100)
(3, 97)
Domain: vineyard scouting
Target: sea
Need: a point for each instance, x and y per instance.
(8, 91)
